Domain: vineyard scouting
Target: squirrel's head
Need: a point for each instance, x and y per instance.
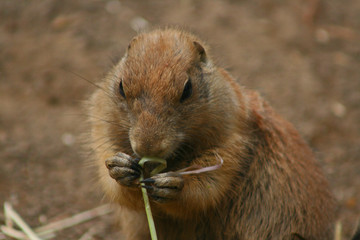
(170, 93)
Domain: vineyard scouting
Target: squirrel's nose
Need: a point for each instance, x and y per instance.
(150, 147)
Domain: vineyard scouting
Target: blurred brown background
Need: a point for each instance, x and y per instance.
(302, 55)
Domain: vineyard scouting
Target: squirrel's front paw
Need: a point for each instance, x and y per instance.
(164, 187)
(124, 169)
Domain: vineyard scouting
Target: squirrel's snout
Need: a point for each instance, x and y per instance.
(150, 147)
(152, 136)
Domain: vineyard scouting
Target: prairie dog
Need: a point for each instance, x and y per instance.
(166, 98)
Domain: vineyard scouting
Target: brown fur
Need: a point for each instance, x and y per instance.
(269, 186)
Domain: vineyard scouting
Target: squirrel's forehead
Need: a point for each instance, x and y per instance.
(151, 60)
(160, 50)
(164, 67)
(150, 79)
(158, 61)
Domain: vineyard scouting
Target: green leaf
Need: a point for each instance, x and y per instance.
(162, 166)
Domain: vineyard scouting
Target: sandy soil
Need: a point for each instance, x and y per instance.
(303, 56)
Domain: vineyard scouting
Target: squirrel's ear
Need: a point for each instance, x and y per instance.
(132, 42)
(200, 49)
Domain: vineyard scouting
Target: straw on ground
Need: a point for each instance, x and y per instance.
(17, 228)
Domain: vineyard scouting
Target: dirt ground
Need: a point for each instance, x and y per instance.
(303, 56)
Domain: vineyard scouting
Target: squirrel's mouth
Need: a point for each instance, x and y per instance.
(174, 163)
(181, 157)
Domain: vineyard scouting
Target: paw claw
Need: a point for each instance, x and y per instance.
(148, 180)
(148, 187)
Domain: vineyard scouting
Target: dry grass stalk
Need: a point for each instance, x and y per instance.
(17, 234)
(47, 231)
(8, 220)
(2, 236)
(9, 231)
(89, 234)
(12, 214)
(75, 220)
(338, 230)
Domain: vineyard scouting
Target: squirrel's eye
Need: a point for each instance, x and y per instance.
(187, 91)
(121, 90)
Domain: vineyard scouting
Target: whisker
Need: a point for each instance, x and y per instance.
(114, 123)
(111, 137)
(87, 80)
(110, 147)
(102, 144)
(109, 94)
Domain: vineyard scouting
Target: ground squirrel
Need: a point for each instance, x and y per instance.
(166, 98)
